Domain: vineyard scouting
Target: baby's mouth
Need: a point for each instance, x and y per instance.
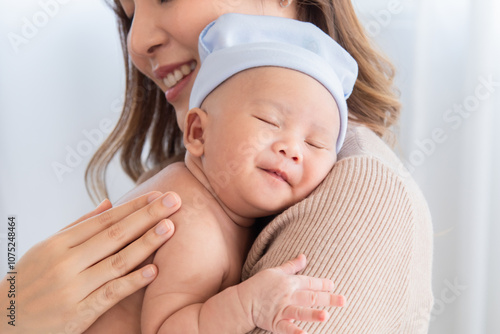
(278, 174)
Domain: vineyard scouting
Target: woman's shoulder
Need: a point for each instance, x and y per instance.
(369, 177)
(362, 142)
(367, 160)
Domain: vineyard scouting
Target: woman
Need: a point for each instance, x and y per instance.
(367, 227)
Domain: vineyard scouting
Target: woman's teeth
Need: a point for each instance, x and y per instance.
(173, 78)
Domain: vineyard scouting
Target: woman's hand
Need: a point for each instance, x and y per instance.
(278, 297)
(66, 282)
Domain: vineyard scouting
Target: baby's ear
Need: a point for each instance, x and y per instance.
(194, 127)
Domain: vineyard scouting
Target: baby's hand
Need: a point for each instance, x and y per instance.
(278, 297)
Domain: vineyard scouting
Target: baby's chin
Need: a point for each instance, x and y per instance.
(271, 210)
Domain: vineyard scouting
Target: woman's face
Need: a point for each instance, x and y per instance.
(163, 39)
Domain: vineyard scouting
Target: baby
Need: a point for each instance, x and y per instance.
(267, 118)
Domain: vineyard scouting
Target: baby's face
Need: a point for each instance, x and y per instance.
(270, 139)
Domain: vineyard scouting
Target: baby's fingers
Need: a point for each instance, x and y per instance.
(317, 298)
(315, 284)
(287, 327)
(293, 266)
(305, 314)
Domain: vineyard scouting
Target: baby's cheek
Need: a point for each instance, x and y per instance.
(315, 175)
(227, 171)
(235, 167)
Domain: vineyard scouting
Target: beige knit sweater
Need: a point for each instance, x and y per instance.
(368, 228)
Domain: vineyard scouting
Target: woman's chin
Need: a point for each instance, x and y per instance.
(181, 116)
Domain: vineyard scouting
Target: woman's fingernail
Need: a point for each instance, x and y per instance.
(163, 227)
(170, 200)
(154, 196)
(102, 203)
(148, 272)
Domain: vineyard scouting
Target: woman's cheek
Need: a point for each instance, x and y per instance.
(226, 6)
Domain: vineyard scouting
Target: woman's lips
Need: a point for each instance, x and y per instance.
(173, 93)
(175, 77)
(172, 78)
(163, 71)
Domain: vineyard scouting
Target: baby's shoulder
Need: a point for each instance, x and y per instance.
(175, 177)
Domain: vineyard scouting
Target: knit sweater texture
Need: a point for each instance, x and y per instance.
(368, 228)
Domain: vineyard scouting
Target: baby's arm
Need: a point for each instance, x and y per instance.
(192, 265)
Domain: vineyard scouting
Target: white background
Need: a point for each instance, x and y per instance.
(67, 78)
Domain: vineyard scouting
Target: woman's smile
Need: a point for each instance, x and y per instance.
(175, 78)
(172, 74)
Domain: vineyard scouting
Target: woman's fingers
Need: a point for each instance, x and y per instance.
(129, 258)
(119, 234)
(85, 230)
(59, 268)
(108, 295)
(105, 205)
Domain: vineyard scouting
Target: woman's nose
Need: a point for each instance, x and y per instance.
(289, 148)
(145, 35)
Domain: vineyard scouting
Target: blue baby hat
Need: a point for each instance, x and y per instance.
(236, 42)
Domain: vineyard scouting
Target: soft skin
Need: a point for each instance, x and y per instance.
(253, 149)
